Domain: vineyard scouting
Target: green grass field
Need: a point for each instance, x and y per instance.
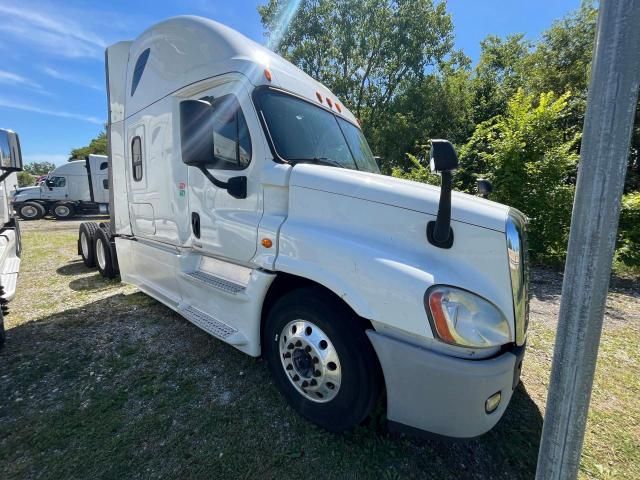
(98, 380)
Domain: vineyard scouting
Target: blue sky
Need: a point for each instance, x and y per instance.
(52, 74)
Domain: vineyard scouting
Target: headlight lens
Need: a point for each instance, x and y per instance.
(459, 317)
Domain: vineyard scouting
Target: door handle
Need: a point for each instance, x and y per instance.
(195, 224)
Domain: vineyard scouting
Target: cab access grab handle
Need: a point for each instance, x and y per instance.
(197, 121)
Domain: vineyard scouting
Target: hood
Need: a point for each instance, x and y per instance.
(27, 192)
(398, 192)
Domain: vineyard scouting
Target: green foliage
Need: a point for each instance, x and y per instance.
(532, 167)
(628, 252)
(25, 179)
(39, 168)
(97, 146)
(418, 173)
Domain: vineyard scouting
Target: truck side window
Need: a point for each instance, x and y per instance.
(136, 158)
(57, 181)
(138, 69)
(231, 140)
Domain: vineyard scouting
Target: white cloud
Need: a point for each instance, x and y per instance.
(15, 79)
(56, 113)
(55, 158)
(75, 79)
(55, 32)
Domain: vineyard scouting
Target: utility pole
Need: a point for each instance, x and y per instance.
(613, 92)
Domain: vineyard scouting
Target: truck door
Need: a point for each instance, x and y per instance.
(222, 225)
(55, 188)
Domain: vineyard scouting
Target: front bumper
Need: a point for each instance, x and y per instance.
(442, 394)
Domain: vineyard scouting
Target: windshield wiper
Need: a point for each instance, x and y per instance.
(317, 160)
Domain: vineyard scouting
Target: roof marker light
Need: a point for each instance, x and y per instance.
(338, 107)
(329, 102)
(267, 74)
(319, 97)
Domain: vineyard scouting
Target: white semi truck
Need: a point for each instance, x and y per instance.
(245, 197)
(10, 242)
(77, 187)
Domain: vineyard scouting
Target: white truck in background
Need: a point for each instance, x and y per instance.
(79, 187)
(10, 241)
(245, 197)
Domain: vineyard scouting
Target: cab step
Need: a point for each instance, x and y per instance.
(211, 325)
(215, 282)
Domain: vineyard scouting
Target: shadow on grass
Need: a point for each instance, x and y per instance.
(75, 267)
(123, 387)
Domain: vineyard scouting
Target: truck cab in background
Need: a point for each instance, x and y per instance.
(79, 187)
(245, 197)
(10, 241)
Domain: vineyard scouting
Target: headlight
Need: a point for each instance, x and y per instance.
(459, 317)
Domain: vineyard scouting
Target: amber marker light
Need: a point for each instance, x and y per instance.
(338, 107)
(267, 243)
(267, 74)
(439, 320)
(319, 97)
(329, 102)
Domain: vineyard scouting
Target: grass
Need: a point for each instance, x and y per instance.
(98, 380)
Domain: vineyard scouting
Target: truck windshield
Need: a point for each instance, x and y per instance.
(303, 132)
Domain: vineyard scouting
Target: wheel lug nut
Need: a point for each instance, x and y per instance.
(287, 355)
(305, 384)
(316, 359)
(298, 343)
(313, 382)
(307, 349)
(317, 373)
(290, 346)
(296, 378)
(289, 367)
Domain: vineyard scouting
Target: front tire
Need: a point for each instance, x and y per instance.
(86, 241)
(63, 210)
(31, 211)
(321, 359)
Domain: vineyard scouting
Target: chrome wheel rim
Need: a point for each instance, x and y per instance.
(100, 254)
(310, 361)
(29, 211)
(62, 211)
(84, 243)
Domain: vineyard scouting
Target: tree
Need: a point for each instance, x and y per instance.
(25, 179)
(97, 146)
(365, 51)
(532, 167)
(39, 168)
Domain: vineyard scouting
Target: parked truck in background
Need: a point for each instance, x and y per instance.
(245, 197)
(10, 242)
(79, 187)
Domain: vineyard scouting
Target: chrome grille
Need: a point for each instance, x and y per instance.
(518, 257)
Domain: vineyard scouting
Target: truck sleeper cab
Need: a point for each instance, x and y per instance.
(245, 197)
(77, 187)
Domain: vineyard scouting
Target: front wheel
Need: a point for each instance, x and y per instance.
(31, 211)
(321, 359)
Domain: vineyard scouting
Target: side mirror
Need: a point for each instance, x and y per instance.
(443, 160)
(197, 122)
(10, 153)
(484, 187)
(196, 132)
(443, 156)
(49, 183)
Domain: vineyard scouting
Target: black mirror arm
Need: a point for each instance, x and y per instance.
(236, 186)
(440, 233)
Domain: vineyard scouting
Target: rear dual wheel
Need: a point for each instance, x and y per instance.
(321, 359)
(63, 210)
(104, 254)
(86, 241)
